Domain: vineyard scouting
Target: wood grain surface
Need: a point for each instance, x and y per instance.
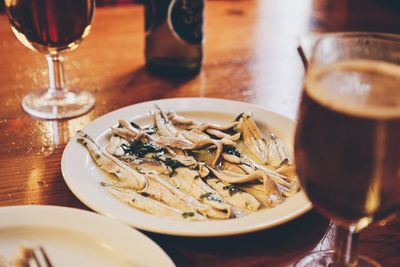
(250, 55)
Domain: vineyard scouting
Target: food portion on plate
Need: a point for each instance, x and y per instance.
(184, 169)
(29, 256)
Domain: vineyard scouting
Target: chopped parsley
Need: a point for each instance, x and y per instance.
(210, 196)
(206, 195)
(144, 194)
(187, 214)
(233, 189)
(231, 131)
(169, 162)
(140, 149)
(173, 163)
(231, 150)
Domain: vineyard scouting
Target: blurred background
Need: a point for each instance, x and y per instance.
(392, 4)
(98, 2)
(322, 10)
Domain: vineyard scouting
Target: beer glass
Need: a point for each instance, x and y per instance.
(53, 27)
(347, 139)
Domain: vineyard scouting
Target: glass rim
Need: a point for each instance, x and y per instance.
(376, 35)
(390, 37)
(384, 37)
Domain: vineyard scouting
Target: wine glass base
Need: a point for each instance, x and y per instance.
(59, 104)
(325, 259)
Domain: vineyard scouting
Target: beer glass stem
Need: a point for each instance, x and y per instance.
(346, 247)
(56, 73)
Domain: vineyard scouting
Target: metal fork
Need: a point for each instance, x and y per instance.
(34, 257)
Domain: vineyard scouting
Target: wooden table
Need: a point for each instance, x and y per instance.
(250, 55)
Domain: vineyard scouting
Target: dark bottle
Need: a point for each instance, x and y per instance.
(174, 36)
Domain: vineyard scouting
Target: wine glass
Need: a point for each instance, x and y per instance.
(53, 27)
(347, 139)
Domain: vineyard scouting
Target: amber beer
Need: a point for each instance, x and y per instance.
(348, 141)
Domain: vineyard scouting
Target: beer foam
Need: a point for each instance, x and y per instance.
(366, 88)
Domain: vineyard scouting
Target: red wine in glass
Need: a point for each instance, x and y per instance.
(53, 27)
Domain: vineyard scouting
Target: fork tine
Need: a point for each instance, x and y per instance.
(45, 256)
(34, 258)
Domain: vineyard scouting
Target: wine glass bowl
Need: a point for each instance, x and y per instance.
(53, 28)
(347, 138)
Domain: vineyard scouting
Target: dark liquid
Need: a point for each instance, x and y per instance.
(51, 23)
(349, 165)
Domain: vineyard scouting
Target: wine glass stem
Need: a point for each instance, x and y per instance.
(346, 247)
(56, 72)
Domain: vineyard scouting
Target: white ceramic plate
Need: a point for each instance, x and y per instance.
(83, 176)
(73, 237)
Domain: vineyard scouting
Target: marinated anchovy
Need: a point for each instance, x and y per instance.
(277, 151)
(252, 138)
(284, 177)
(234, 195)
(151, 206)
(163, 124)
(204, 209)
(126, 176)
(221, 135)
(182, 169)
(190, 182)
(267, 150)
(115, 145)
(179, 120)
(215, 126)
(160, 191)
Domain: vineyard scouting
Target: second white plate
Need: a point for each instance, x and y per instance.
(73, 237)
(83, 176)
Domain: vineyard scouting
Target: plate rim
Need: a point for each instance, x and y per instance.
(183, 228)
(16, 216)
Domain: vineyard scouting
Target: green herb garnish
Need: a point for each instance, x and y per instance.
(206, 195)
(170, 162)
(187, 214)
(140, 149)
(231, 150)
(233, 189)
(231, 131)
(173, 163)
(210, 196)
